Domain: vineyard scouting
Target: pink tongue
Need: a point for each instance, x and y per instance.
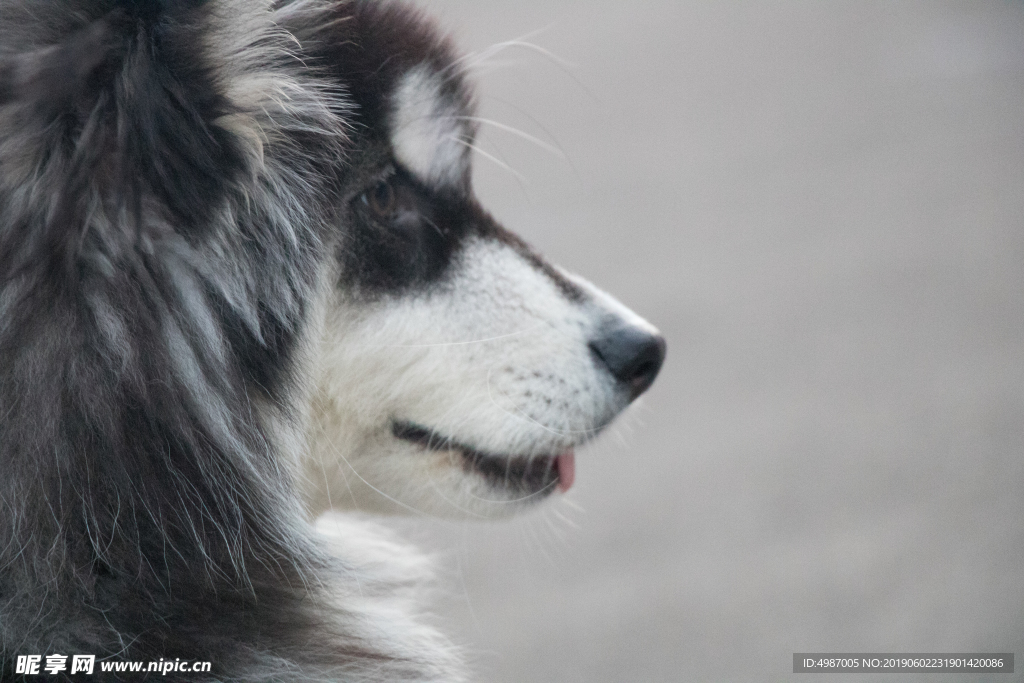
(566, 463)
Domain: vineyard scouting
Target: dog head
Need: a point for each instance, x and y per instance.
(238, 232)
(457, 369)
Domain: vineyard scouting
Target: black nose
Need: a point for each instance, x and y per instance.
(632, 354)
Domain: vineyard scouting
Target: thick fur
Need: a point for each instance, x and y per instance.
(212, 330)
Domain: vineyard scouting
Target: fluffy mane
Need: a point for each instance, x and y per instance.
(166, 180)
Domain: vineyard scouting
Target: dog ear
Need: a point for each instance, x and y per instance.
(109, 111)
(50, 79)
(37, 88)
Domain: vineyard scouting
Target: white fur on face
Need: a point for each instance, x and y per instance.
(429, 135)
(496, 359)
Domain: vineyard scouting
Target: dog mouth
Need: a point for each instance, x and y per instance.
(531, 475)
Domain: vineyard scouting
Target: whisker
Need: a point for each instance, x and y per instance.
(558, 151)
(526, 418)
(565, 519)
(487, 155)
(343, 459)
(567, 67)
(500, 153)
(433, 225)
(522, 112)
(471, 59)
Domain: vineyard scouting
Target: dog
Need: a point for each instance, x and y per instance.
(244, 280)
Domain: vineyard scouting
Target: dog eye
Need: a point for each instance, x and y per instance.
(381, 199)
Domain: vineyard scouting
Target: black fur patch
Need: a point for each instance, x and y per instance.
(369, 45)
(408, 247)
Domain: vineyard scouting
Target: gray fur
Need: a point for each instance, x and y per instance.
(167, 179)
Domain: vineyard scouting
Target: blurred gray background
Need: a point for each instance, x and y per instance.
(821, 205)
